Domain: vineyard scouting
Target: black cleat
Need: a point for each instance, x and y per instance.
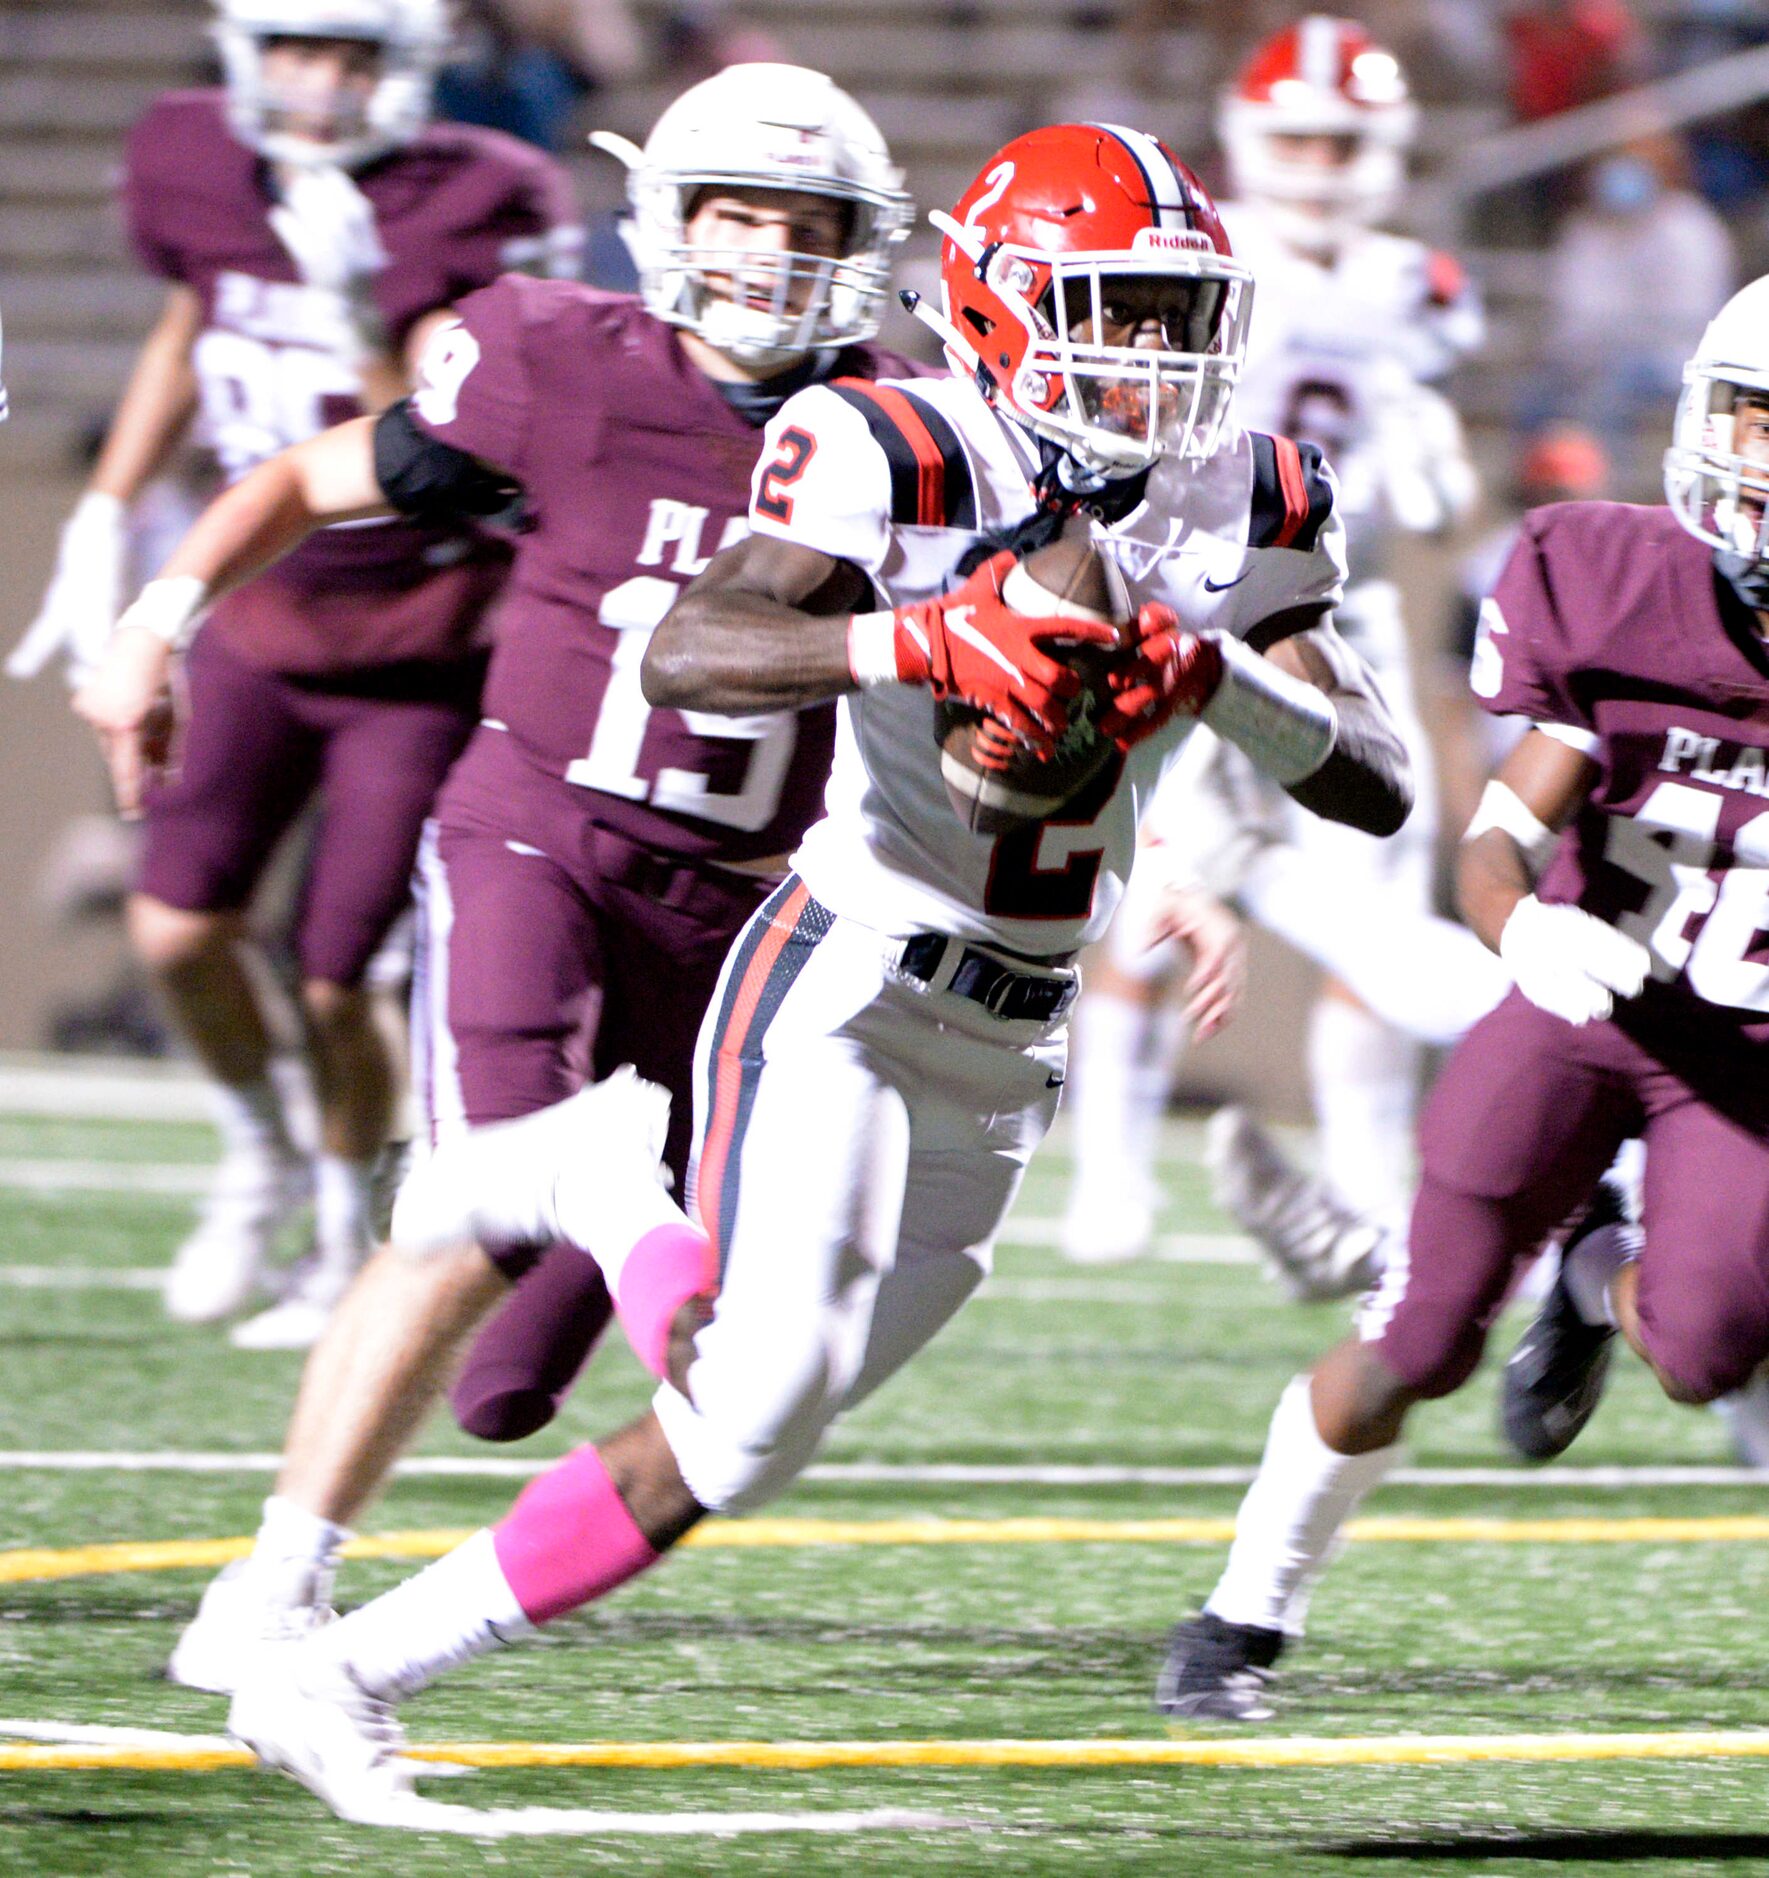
(1554, 1380)
(1218, 1672)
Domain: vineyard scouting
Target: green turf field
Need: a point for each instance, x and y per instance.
(1162, 1364)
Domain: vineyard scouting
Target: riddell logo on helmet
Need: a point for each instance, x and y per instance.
(1171, 241)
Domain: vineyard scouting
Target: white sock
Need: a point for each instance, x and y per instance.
(341, 1208)
(1592, 1267)
(295, 1555)
(1124, 1052)
(447, 1614)
(288, 1531)
(1289, 1521)
(250, 1118)
(1364, 1077)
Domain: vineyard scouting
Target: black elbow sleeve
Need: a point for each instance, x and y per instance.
(432, 481)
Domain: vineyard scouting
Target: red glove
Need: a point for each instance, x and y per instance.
(1168, 670)
(967, 644)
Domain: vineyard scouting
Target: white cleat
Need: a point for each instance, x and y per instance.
(295, 1321)
(301, 1711)
(500, 1183)
(217, 1270)
(248, 1607)
(1317, 1246)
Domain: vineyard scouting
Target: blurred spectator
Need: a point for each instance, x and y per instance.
(1634, 276)
(1568, 52)
(526, 65)
(701, 37)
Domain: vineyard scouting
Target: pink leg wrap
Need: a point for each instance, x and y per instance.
(569, 1539)
(670, 1265)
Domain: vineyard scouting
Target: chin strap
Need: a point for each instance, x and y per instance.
(1746, 576)
(1055, 498)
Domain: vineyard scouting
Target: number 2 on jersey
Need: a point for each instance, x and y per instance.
(1023, 886)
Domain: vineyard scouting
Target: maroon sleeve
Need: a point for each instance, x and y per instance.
(495, 208)
(144, 196)
(1521, 656)
(473, 387)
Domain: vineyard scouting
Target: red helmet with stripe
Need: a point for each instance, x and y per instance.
(1087, 284)
(1319, 81)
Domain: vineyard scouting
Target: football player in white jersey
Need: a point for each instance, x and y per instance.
(886, 1044)
(1354, 324)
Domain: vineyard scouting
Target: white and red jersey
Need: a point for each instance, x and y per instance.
(902, 478)
(1341, 352)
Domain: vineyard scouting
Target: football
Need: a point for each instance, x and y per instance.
(995, 782)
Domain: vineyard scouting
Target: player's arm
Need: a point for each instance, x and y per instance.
(771, 625)
(367, 467)
(1305, 710)
(1366, 777)
(1564, 960)
(85, 592)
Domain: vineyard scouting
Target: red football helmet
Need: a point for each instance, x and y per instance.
(1318, 78)
(1072, 233)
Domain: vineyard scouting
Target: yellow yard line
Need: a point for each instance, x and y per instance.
(37, 1564)
(1255, 1752)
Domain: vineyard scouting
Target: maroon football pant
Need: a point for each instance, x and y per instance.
(1528, 1113)
(551, 951)
(373, 745)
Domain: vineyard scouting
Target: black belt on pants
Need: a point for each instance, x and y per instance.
(988, 981)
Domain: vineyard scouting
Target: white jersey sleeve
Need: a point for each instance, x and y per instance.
(822, 481)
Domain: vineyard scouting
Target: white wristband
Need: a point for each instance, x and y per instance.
(1287, 726)
(872, 649)
(1502, 808)
(170, 609)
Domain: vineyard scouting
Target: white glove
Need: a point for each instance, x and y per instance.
(1570, 964)
(85, 593)
(328, 226)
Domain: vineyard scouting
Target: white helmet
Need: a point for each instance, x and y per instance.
(1318, 77)
(412, 36)
(765, 127)
(1705, 477)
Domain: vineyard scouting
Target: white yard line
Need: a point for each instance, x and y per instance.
(177, 1178)
(83, 1277)
(908, 1474)
(108, 1090)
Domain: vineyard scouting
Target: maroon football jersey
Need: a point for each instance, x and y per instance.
(1607, 621)
(636, 472)
(453, 209)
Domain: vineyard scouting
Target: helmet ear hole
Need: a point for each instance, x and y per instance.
(979, 322)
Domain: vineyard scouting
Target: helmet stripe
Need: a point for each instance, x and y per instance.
(1318, 52)
(1162, 180)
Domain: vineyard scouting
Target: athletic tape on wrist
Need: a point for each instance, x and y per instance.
(1501, 807)
(872, 649)
(1287, 726)
(170, 609)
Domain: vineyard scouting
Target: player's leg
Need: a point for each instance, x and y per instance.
(1211, 814)
(505, 971)
(665, 932)
(1696, 1306)
(812, 1123)
(247, 766)
(1517, 1131)
(386, 753)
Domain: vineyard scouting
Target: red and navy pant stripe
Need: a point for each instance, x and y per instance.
(775, 947)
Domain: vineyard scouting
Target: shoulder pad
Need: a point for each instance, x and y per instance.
(931, 483)
(1291, 495)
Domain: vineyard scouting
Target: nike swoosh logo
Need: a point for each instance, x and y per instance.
(1053, 1082)
(1222, 586)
